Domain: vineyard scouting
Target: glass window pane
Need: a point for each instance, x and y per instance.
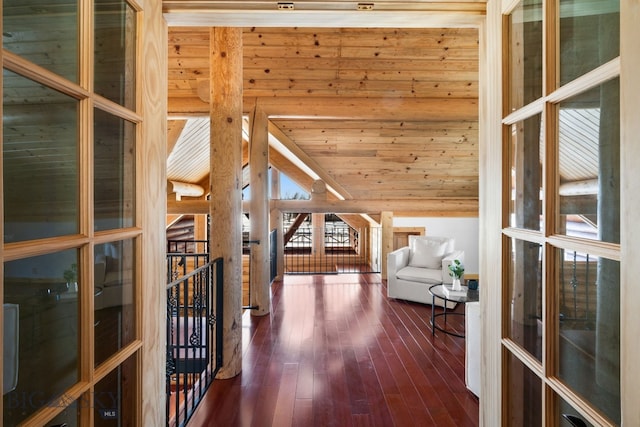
(114, 175)
(43, 32)
(526, 174)
(589, 162)
(589, 340)
(524, 395)
(40, 160)
(114, 308)
(525, 53)
(114, 398)
(525, 293)
(115, 51)
(589, 36)
(290, 190)
(70, 415)
(567, 416)
(44, 312)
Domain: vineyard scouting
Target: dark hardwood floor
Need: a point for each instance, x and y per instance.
(335, 351)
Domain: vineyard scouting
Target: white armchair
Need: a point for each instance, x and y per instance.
(412, 269)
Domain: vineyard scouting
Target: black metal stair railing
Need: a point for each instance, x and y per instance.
(194, 335)
(273, 255)
(184, 256)
(188, 246)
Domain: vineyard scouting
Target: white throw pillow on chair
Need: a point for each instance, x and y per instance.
(427, 253)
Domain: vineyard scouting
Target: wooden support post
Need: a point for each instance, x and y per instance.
(225, 204)
(386, 220)
(259, 214)
(317, 235)
(200, 227)
(318, 193)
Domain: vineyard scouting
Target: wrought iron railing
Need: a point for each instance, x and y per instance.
(342, 250)
(194, 336)
(246, 279)
(578, 287)
(273, 254)
(188, 246)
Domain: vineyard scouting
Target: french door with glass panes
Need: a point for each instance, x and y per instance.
(561, 225)
(69, 227)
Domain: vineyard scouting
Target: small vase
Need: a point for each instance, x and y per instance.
(456, 284)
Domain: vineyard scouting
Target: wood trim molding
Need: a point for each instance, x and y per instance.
(326, 14)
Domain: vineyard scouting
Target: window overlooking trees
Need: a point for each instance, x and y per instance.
(289, 190)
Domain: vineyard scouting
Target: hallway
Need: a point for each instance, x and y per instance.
(336, 352)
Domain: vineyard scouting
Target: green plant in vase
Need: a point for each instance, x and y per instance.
(456, 270)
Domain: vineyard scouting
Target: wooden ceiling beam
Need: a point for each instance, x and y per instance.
(376, 206)
(294, 227)
(174, 130)
(172, 219)
(405, 109)
(304, 158)
(400, 207)
(380, 109)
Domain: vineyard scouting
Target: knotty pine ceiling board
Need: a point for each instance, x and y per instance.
(432, 154)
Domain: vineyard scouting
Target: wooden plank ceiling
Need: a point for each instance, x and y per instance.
(382, 113)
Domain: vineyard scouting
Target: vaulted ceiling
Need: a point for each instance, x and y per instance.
(377, 113)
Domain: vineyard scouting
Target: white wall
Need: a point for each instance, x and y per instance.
(464, 230)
